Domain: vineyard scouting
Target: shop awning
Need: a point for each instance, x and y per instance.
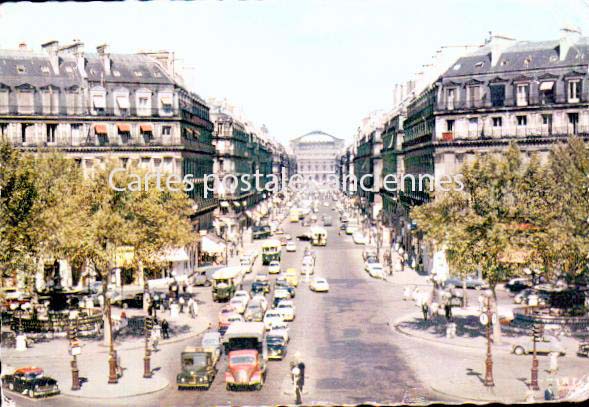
(175, 255)
(212, 244)
(124, 127)
(100, 129)
(146, 128)
(99, 101)
(547, 85)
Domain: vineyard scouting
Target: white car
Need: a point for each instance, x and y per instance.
(359, 238)
(272, 317)
(375, 270)
(325, 203)
(262, 301)
(286, 308)
(291, 247)
(279, 332)
(274, 267)
(319, 284)
(238, 304)
(242, 294)
(350, 230)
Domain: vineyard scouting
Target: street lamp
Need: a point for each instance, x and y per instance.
(112, 357)
(487, 318)
(147, 357)
(74, 350)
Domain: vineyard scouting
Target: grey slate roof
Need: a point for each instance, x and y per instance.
(316, 136)
(540, 55)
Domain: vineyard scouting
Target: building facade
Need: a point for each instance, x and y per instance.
(99, 106)
(315, 154)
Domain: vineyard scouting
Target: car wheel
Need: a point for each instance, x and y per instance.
(31, 393)
(519, 350)
(11, 386)
(228, 387)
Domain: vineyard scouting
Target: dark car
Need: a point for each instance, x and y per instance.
(31, 381)
(276, 347)
(515, 285)
(260, 287)
(583, 350)
(304, 237)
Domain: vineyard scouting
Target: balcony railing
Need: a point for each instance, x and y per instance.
(516, 131)
(39, 110)
(537, 101)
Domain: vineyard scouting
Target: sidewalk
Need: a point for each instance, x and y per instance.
(456, 367)
(53, 356)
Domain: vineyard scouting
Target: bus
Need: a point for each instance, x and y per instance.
(270, 251)
(225, 282)
(294, 215)
(318, 236)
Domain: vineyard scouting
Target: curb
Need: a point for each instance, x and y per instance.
(75, 396)
(398, 328)
(539, 398)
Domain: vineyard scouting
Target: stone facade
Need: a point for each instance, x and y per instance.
(315, 154)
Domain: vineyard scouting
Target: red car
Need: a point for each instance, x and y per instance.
(246, 369)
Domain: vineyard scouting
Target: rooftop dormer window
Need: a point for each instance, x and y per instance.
(553, 58)
(92, 72)
(156, 74)
(68, 69)
(138, 74)
(479, 64)
(45, 69)
(116, 73)
(527, 61)
(20, 69)
(504, 62)
(456, 67)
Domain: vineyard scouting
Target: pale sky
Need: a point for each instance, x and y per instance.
(294, 65)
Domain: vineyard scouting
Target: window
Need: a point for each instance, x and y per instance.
(574, 90)
(51, 130)
(20, 69)
(156, 74)
(3, 129)
(449, 125)
(473, 94)
(497, 121)
(116, 73)
(573, 122)
(547, 119)
(497, 95)
(122, 104)
(523, 94)
(522, 120)
(45, 69)
(3, 101)
(99, 102)
(69, 69)
(450, 98)
(138, 74)
(166, 130)
(25, 102)
(23, 131)
(479, 64)
(546, 90)
(76, 132)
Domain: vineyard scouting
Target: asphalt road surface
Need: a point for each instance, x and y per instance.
(343, 336)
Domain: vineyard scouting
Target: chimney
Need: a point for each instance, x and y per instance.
(51, 48)
(22, 46)
(569, 35)
(498, 44)
(101, 50)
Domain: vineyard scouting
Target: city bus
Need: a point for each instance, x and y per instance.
(294, 215)
(270, 251)
(318, 236)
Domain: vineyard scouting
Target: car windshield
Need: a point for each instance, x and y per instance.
(275, 340)
(194, 361)
(233, 319)
(207, 342)
(273, 315)
(242, 360)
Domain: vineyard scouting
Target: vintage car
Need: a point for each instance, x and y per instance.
(254, 311)
(583, 350)
(246, 368)
(282, 283)
(260, 287)
(292, 277)
(31, 381)
(544, 346)
(211, 342)
(199, 368)
(276, 344)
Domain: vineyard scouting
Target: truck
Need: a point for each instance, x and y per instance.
(199, 368)
(225, 282)
(318, 236)
(247, 355)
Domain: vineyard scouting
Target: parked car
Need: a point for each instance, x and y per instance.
(31, 381)
(583, 350)
(471, 282)
(515, 285)
(319, 284)
(359, 238)
(523, 297)
(545, 345)
(291, 246)
(375, 270)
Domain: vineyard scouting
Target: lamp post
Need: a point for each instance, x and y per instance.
(487, 318)
(537, 333)
(74, 350)
(112, 356)
(147, 357)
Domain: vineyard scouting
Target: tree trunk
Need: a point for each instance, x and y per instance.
(106, 313)
(464, 293)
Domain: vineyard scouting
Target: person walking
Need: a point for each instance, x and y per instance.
(181, 303)
(425, 310)
(549, 393)
(193, 307)
(165, 329)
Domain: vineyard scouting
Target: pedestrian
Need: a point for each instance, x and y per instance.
(553, 362)
(448, 311)
(181, 302)
(425, 310)
(165, 329)
(193, 307)
(549, 393)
